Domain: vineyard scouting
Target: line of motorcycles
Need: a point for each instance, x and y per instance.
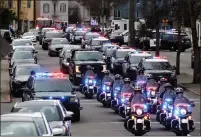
(178, 118)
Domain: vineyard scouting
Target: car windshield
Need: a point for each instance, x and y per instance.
(52, 85)
(26, 70)
(156, 65)
(41, 125)
(22, 55)
(28, 34)
(35, 31)
(137, 59)
(79, 33)
(24, 49)
(59, 41)
(87, 37)
(99, 42)
(53, 35)
(18, 128)
(109, 52)
(22, 43)
(51, 113)
(122, 54)
(88, 56)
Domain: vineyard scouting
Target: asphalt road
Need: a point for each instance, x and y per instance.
(99, 121)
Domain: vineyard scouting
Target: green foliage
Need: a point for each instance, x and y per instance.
(7, 17)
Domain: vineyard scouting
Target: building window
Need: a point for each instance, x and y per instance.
(46, 8)
(117, 13)
(63, 7)
(125, 26)
(28, 3)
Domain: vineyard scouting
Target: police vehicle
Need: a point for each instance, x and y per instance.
(97, 43)
(57, 116)
(53, 86)
(131, 61)
(159, 67)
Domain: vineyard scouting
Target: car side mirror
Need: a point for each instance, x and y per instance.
(58, 131)
(174, 67)
(192, 103)
(67, 118)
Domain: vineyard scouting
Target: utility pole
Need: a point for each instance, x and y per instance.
(34, 12)
(18, 14)
(131, 23)
(102, 14)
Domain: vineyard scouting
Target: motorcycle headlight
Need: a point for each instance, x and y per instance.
(75, 99)
(86, 81)
(183, 111)
(139, 111)
(153, 93)
(77, 69)
(90, 81)
(107, 88)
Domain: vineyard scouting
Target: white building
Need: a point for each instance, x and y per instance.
(55, 9)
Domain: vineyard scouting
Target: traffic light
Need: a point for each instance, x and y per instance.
(165, 22)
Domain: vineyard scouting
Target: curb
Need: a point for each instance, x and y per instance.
(187, 89)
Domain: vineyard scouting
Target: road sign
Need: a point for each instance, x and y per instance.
(94, 22)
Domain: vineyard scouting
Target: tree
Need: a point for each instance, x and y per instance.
(74, 15)
(179, 12)
(154, 11)
(6, 18)
(195, 11)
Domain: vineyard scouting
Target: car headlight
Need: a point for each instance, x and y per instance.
(75, 99)
(104, 68)
(183, 111)
(77, 69)
(139, 111)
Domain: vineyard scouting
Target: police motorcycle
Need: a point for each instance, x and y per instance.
(167, 108)
(141, 79)
(89, 83)
(116, 92)
(152, 94)
(104, 93)
(182, 123)
(138, 120)
(126, 93)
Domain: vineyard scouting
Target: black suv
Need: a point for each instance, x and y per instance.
(159, 67)
(53, 86)
(131, 61)
(169, 41)
(80, 59)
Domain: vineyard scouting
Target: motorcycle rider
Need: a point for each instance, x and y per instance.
(150, 83)
(107, 77)
(137, 98)
(117, 83)
(141, 78)
(89, 72)
(162, 83)
(127, 87)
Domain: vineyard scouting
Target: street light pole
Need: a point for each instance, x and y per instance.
(131, 23)
(102, 14)
(34, 12)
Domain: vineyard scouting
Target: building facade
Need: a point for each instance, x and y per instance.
(55, 9)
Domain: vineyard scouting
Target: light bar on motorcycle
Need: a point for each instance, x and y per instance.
(168, 99)
(141, 82)
(117, 88)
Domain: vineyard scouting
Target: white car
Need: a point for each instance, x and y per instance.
(22, 43)
(56, 114)
(88, 36)
(30, 35)
(97, 43)
(39, 119)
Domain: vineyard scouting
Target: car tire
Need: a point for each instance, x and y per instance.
(77, 116)
(49, 54)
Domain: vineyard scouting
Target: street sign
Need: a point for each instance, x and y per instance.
(94, 22)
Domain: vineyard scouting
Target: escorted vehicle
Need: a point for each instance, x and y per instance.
(19, 126)
(108, 46)
(78, 36)
(23, 49)
(22, 56)
(53, 86)
(159, 68)
(97, 43)
(40, 120)
(22, 43)
(130, 63)
(64, 64)
(19, 76)
(36, 33)
(46, 42)
(29, 35)
(57, 116)
(56, 45)
(169, 41)
(42, 33)
(80, 59)
(68, 47)
(117, 59)
(87, 37)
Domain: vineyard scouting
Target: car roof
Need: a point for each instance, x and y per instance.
(58, 38)
(36, 103)
(6, 117)
(53, 32)
(92, 33)
(19, 51)
(28, 65)
(156, 60)
(100, 38)
(47, 28)
(141, 54)
(26, 114)
(126, 49)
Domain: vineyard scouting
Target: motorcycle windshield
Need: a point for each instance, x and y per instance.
(169, 95)
(107, 80)
(181, 100)
(139, 99)
(152, 84)
(126, 89)
(141, 79)
(89, 73)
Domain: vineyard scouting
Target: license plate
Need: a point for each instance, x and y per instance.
(139, 120)
(91, 87)
(108, 95)
(184, 121)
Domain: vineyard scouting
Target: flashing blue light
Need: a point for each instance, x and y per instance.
(50, 97)
(176, 112)
(108, 88)
(86, 81)
(90, 81)
(164, 106)
(122, 100)
(115, 94)
(117, 88)
(168, 99)
(62, 97)
(104, 88)
(94, 82)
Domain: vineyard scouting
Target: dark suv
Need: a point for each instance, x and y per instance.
(169, 41)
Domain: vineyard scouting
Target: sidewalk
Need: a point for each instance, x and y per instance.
(185, 81)
(5, 89)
